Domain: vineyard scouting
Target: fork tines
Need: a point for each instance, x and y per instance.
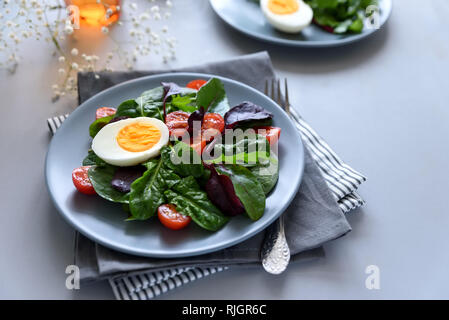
(275, 93)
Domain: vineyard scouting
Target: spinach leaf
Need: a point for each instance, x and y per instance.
(183, 160)
(190, 200)
(128, 108)
(101, 177)
(267, 173)
(246, 142)
(212, 97)
(92, 159)
(155, 94)
(252, 159)
(147, 192)
(247, 188)
(340, 16)
(96, 126)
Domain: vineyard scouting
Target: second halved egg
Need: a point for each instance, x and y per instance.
(289, 16)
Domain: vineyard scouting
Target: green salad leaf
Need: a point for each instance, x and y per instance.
(98, 124)
(267, 173)
(101, 177)
(342, 16)
(147, 192)
(92, 159)
(185, 103)
(247, 188)
(190, 200)
(183, 160)
(212, 96)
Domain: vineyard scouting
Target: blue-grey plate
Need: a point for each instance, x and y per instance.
(247, 17)
(103, 221)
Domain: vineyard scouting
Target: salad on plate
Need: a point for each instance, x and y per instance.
(182, 154)
(334, 16)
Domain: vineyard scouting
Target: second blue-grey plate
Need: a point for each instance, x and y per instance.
(103, 221)
(247, 17)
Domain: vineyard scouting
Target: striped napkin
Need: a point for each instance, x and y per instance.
(342, 180)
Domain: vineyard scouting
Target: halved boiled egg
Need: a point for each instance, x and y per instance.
(131, 141)
(290, 16)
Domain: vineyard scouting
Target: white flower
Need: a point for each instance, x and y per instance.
(144, 16)
(61, 71)
(133, 6)
(74, 52)
(61, 59)
(168, 3)
(74, 66)
(68, 29)
(105, 30)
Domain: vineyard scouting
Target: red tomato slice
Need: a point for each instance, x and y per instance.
(171, 218)
(198, 146)
(271, 133)
(177, 123)
(104, 112)
(213, 125)
(196, 84)
(81, 180)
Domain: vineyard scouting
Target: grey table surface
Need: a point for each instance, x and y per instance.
(381, 103)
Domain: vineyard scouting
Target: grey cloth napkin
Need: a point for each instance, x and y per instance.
(314, 217)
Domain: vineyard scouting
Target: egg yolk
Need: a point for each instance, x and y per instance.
(138, 136)
(283, 6)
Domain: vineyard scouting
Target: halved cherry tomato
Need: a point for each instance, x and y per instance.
(104, 112)
(177, 122)
(213, 124)
(81, 180)
(171, 218)
(271, 133)
(196, 84)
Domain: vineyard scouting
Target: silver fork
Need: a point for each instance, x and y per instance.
(275, 252)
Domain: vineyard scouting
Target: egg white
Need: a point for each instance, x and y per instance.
(289, 23)
(106, 147)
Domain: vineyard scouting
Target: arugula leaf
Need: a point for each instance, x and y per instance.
(190, 200)
(147, 192)
(98, 124)
(212, 96)
(101, 177)
(185, 103)
(247, 188)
